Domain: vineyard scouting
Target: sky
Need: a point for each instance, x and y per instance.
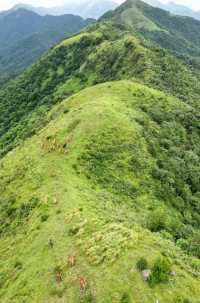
(6, 4)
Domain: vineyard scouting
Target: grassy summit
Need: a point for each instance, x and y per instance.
(85, 187)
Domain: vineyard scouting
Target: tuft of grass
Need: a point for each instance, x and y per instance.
(142, 264)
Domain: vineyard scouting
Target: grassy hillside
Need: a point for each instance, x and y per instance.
(102, 53)
(103, 185)
(99, 187)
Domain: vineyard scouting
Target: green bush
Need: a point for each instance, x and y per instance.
(157, 220)
(194, 245)
(44, 217)
(88, 298)
(142, 264)
(18, 265)
(125, 298)
(160, 272)
(191, 245)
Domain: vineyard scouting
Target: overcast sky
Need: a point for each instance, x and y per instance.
(5, 4)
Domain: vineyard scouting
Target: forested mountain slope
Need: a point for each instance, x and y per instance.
(104, 52)
(108, 188)
(25, 36)
(175, 33)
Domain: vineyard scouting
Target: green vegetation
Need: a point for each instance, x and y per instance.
(142, 264)
(104, 53)
(160, 272)
(25, 36)
(178, 34)
(89, 188)
(102, 188)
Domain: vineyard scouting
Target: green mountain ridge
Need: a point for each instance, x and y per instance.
(175, 33)
(103, 53)
(83, 187)
(99, 170)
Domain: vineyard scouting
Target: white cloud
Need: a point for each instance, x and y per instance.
(194, 4)
(6, 4)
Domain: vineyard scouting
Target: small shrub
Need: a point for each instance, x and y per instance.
(57, 291)
(142, 264)
(49, 137)
(44, 217)
(125, 298)
(18, 265)
(66, 111)
(160, 272)
(157, 220)
(191, 245)
(88, 297)
(195, 264)
(194, 245)
(183, 244)
(73, 230)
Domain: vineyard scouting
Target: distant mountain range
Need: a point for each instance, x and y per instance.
(25, 36)
(96, 8)
(26, 32)
(84, 8)
(175, 8)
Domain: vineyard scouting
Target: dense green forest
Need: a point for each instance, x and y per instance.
(100, 166)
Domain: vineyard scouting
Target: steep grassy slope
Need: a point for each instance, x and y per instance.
(102, 53)
(25, 36)
(88, 186)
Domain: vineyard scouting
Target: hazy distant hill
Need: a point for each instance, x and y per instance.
(175, 8)
(84, 8)
(25, 35)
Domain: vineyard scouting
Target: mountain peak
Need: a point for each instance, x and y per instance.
(131, 13)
